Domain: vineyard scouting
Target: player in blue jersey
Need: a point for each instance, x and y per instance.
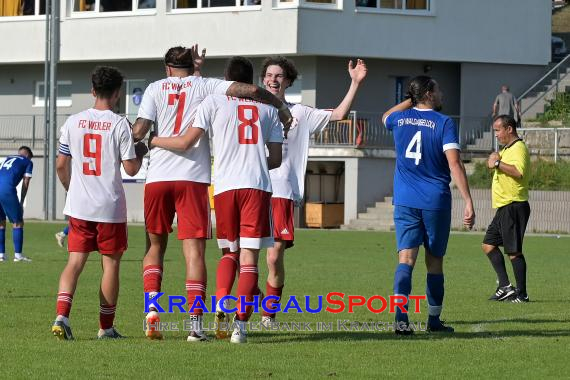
(427, 152)
(13, 170)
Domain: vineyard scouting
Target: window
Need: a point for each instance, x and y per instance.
(327, 4)
(182, 4)
(63, 94)
(395, 4)
(22, 7)
(112, 5)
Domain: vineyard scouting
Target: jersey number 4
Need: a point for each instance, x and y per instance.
(248, 128)
(181, 98)
(92, 149)
(417, 144)
(8, 163)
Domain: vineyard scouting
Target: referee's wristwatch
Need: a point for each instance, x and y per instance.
(497, 163)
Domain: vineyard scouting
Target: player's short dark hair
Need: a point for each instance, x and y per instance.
(27, 149)
(106, 80)
(179, 57)
(239, 69)
(286, 64)
(419, 88)
(507, 121)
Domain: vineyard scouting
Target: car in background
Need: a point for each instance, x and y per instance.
(558, 48)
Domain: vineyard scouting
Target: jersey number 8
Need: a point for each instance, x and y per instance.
(248, 125)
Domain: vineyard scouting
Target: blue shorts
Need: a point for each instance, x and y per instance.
(10, 206)
(415, 227)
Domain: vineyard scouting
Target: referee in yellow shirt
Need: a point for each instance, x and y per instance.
(510, 198)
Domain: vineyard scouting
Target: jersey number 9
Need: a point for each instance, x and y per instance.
(92, 149)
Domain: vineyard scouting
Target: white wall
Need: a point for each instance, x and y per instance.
(129, 36)
(507, 31)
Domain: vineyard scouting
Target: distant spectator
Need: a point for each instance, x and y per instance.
(506, 104)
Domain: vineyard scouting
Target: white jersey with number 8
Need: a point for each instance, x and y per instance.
(172, 103)
(97, 141)
(240, 128)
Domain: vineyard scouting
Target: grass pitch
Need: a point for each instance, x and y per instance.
(492, 340)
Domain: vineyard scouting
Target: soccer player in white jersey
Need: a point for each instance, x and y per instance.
(240, 130)
(93, 145)
(279, 73)
(177, 182)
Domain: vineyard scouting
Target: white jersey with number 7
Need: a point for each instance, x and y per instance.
(97, 141)
(172, 103)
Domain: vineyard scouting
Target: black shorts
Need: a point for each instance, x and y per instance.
(508, 227)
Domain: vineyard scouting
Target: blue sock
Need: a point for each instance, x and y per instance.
(2, 240)
(18, 238)
(403, 287)
(434, 292)
(66, 230)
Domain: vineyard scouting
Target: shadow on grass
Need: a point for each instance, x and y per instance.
(348, 336)
(510, 320)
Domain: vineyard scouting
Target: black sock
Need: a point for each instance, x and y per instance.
(519, 267)
(498, 262)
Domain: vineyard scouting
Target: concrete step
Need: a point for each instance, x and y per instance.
(383, 204)
(382, 209)
(364, 225)
(380, 217)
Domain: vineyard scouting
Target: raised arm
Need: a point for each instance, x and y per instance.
(177, 143)
(460, 177)
(357, 74)
(406, 104)
(198, 60)
(141, 128)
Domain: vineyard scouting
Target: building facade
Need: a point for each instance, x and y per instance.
(470, 47)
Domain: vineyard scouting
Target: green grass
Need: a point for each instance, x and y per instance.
(491, 339)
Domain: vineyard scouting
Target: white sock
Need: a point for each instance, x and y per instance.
(18, 255)
(64, 319)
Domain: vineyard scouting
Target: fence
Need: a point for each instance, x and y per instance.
(365, 130)
(359, 130)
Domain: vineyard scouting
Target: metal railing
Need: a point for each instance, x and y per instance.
(541, 82)
(365, 130)
(360, 130)
(18, 130)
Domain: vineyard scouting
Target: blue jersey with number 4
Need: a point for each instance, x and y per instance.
(12, 170)
(421, 177)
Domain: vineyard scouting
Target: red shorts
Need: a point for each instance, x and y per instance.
(243, 219)
(283, 227)
(86, 236)
(189, 200)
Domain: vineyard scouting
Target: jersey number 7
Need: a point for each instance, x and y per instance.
(172, 98)
(248, 128)
(92, 149)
